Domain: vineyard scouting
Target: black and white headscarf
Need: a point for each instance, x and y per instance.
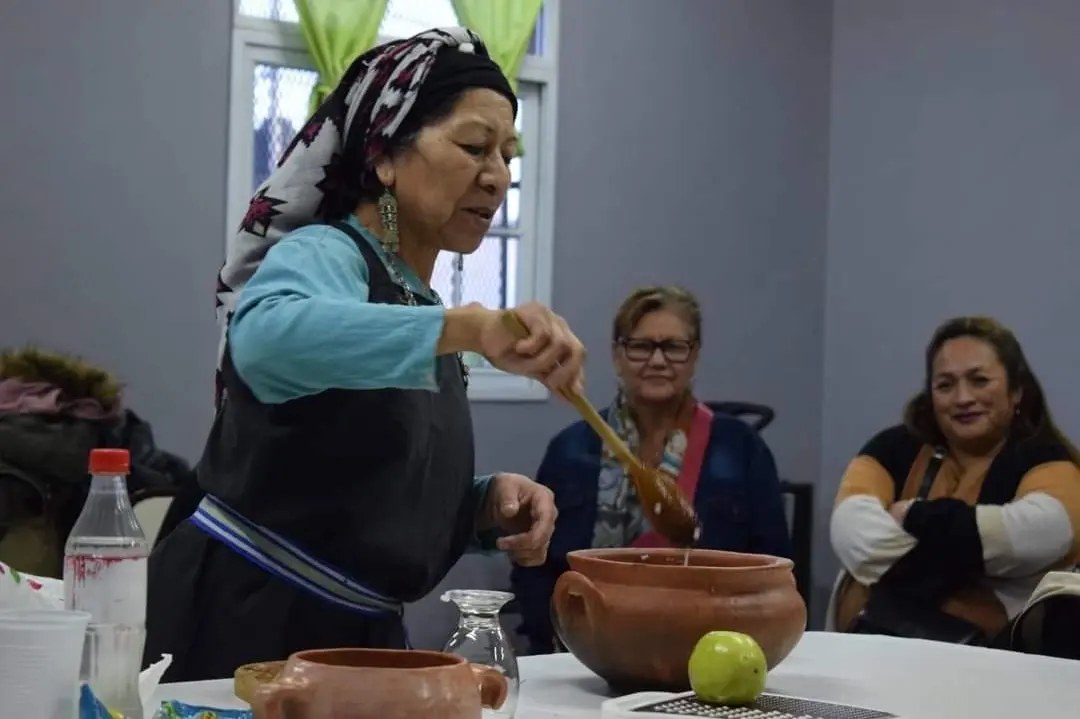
(352, 129)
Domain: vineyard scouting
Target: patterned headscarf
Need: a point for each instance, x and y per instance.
(354, 127)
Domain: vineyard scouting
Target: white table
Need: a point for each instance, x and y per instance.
(913, 679)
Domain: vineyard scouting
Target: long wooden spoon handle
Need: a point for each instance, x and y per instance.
(664, 504)
(517, 328)
(603, 429)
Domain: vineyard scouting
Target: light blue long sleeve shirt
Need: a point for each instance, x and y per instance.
(303, 324)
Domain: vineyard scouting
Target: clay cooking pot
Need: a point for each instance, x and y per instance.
(633, 616)
(379, 684)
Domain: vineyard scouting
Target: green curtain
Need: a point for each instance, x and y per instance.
(336, 33)
(505, 26)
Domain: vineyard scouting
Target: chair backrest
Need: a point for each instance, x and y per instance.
(798, 496)
(799, 509)
(151, 506)
(759, 416)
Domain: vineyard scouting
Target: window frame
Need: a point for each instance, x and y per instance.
(258, 40)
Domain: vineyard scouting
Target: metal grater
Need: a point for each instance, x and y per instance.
(768, 706)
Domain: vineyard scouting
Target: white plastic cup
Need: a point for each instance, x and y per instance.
(40, 656)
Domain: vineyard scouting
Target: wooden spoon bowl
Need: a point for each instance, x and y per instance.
(669, 511)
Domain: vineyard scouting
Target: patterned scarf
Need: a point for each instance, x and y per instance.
(367, 108)
(619, 519)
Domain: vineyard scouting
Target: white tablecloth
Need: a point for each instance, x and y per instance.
(913, 679)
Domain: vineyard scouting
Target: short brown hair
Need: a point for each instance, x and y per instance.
(646, 300)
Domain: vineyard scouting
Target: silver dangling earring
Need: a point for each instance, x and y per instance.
(388, 218)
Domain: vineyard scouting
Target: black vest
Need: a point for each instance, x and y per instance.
(896, 449)
(376, 483)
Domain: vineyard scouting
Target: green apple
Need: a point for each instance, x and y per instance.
(727, 668)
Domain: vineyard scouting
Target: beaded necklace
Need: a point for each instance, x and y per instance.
(410, 299)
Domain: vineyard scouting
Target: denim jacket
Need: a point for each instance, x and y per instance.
(738, 500)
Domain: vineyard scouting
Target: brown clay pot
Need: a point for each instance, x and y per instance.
(379, 684)
(248, 678)
(633, 616)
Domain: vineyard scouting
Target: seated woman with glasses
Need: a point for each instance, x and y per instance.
(720, 462)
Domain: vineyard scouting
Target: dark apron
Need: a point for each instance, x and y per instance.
(376, 485)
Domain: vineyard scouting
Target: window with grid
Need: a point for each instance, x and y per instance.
(272, 80)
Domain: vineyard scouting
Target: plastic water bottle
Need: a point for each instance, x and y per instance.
(105, 563)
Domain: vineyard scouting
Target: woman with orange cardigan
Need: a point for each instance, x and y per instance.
(946, 523)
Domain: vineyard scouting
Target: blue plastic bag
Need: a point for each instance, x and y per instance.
(91, 708)
(179, 710)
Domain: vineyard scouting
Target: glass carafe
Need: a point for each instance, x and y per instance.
(480, 638)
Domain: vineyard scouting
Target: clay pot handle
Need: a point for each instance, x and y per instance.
(276, 699)
(493, 688)
(576, 594)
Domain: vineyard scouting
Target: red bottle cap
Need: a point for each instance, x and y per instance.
(110, 461)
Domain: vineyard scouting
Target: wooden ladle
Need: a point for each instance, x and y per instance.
(668, 510)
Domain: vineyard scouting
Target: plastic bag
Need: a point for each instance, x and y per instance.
(91, 708)
(26, 591)
(179, 710)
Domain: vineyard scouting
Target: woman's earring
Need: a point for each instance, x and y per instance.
(388, 218)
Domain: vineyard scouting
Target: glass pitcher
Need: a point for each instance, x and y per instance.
(480, 638)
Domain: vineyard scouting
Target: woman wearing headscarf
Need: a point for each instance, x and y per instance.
(946, 523)
(339, 471)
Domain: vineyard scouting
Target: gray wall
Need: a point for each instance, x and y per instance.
(692, 148)
(955, 163)
(709, 161)
(704, 164)
(112, 194)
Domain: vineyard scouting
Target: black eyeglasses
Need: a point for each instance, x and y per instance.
(640, 350)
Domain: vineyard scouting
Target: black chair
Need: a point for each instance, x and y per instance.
(800, 511)
(744, 410)
(154, 533)
(1049, 627)
(184, 498)
(800, 525)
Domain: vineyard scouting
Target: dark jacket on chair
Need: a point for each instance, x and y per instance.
(738, 500)
(55, 409)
